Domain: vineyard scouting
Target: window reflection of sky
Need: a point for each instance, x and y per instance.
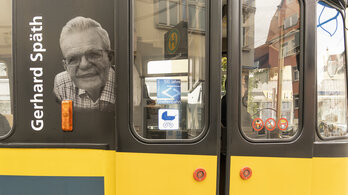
(330, 36)
(264, 10)
(331, 77)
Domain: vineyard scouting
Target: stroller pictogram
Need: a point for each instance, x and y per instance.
(166, 117)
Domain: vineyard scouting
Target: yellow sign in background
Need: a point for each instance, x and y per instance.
(173, 40)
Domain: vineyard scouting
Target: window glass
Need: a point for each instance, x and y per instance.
(6, 70)
(192, 14)
(270, 69)
(346, 21)
(169, 69)
(163, 12)
(173, 13)
(201, 19)
(331, 73)
(197, 15)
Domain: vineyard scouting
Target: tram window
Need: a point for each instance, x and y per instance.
(6, 68)
(331, 73)
(270, 69)
(346, 22)
(169, 68)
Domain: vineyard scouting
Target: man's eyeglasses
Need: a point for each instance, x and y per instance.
(90, 55)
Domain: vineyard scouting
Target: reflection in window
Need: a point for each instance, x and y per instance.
(331, 73)
(168, 71)
(270, 74)
(197, 15)
(290, 21)
(168, 12)
(171, 12)
(6, 112)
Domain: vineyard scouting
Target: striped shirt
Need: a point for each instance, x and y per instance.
(65, 89)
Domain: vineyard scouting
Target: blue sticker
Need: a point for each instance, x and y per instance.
(325, 18)
(168, 119)
(168, 91)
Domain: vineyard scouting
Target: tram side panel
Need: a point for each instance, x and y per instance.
(33, 158)
(269, 147)
(168, 126)
(57, 171)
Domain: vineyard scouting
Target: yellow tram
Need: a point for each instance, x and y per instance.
(173, 97)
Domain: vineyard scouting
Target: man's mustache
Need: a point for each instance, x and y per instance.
(86, 74)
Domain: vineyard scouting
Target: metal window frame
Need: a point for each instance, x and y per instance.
(126, 139)
(299, 127)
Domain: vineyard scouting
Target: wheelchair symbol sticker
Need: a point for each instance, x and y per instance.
(168, 119)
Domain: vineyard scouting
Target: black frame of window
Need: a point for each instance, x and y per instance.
(237, 144)
(346, 75)
(301, 83)
(205, 94)
(126, 138)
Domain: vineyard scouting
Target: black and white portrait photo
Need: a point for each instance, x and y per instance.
(89, 76)
(65, 51)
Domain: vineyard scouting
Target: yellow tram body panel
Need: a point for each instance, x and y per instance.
(123, 173)
(271, 175)
(289, 176)
(330, 176)
(60, 162)
(139, 173)
(159, 174)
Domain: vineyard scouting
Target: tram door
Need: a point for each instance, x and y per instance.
(268, 142)
(167, 127)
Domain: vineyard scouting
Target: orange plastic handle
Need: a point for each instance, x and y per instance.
(67, 115)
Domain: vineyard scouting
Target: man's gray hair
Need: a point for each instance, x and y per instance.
(79, 24)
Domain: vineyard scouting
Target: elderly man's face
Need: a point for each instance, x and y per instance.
(86, 61)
